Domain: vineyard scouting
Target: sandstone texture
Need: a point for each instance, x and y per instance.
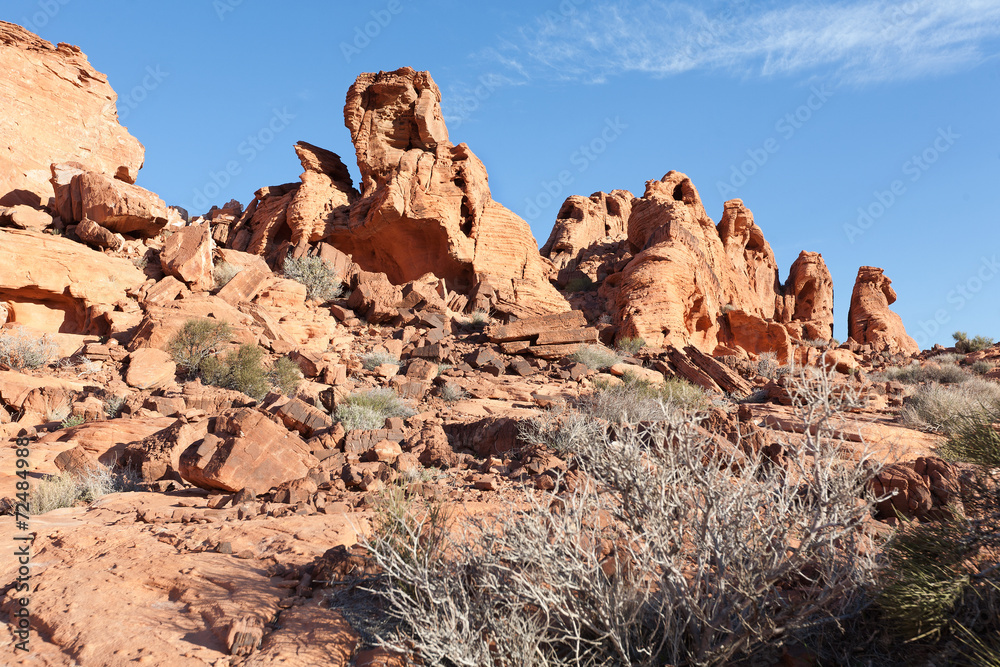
(56, 108)
(423, 205)
(682, 279)
(584, 221)
(119, 207)
(52, 284)
(870, 322)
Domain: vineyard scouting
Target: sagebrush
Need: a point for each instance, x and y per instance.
(316, 274)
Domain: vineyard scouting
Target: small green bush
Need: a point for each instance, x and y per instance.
(597, 357)
(373, 360)
(317, 275)
(241, 370)
(964, 345)
(630, 346)
(113, 406)
(196, 342)
(982, 367)
(286, 375)
(223, 273)
(72, 421)
(580, 284)
(368, 410)
(20, 349)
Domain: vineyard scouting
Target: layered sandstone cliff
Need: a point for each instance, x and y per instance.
(57, 108)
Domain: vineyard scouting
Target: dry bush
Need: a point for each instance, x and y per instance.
(945, 408)
(197, 341)
(373, 360)
(634, 400)
(69, 488)
(368, 410)
(20, 349)
(223, 272)
(597, 357)
(665, 551)
(317, 275)
(943, 373)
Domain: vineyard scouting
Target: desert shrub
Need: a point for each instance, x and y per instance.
(316, 274)
(982, 367)
(72, 421)
(373, 360)
(286, 375)
(767, 364)
(69, 488)
(369, 410)
(630, 346)
(223, 273)
(241, 370)
(595, 356)
(941, 581)
(945, 408)
(634, 400)
(58, 413)
(197, 341)
(930, 372)
(651, 557)
(964, 345)
(580, 284)
(820, 343)
(113, 406)
(451, 392)
(20, 349)
(947, 358)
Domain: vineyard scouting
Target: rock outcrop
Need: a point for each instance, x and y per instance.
(869, 320)
(424, 205)
(117, 206)
(55, 285)
(692, 282)
(55, 108)
(584, 221)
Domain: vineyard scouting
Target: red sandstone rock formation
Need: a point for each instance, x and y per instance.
(424, 205)
(584, 221)
(869, 320)
(692, 282)
(56, 109)
(52, 284)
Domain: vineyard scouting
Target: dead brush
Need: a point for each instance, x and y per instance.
(651, 558)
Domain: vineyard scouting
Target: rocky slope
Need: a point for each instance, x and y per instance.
(54, 107)
(232, 549)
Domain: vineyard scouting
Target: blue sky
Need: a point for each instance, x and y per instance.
(865, 130)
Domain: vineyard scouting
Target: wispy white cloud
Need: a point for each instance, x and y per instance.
(859, 42)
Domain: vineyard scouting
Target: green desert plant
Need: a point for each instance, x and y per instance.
(964, 345)
(368, 410)
(286, 375)
(451, 392)
(580, 284)
(20, 349)
(597, 357)
(316, 274)
(113, 406)
(72, 421)
(196, 342)
(241, 370)
(630, 346)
